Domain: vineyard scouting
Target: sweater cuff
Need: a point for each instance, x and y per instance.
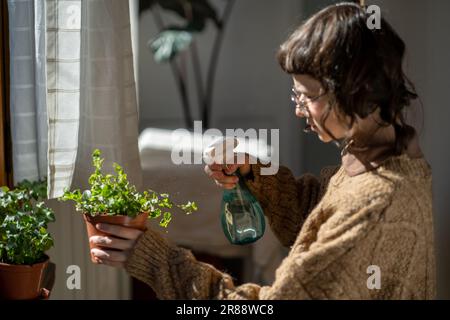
(261, 186)
(253, 178)
(150, 255)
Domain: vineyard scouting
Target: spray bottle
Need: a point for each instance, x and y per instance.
(242, 217)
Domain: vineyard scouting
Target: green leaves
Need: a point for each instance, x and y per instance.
(23, 223)
(189, 207)
(112, 194)
(173, 40)
(37, 189)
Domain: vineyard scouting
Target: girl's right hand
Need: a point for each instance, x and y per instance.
(222, 174)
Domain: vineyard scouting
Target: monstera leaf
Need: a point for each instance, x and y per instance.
(172, 40)
(169, 43)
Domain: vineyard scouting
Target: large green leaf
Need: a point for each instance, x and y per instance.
(169, 43)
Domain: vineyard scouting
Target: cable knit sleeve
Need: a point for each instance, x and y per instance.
(174, 273)
(287, 201)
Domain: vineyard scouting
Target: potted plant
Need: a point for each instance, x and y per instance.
(112, 199)
(172, 40)
(24, 239)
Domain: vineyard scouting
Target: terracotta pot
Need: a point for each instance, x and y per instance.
(139, 222)
(22, 282)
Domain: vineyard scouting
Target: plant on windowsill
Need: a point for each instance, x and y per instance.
(24, 239)
(112, 199)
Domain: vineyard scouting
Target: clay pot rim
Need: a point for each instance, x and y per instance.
(24, 268)
(113, 215)
(139, 222)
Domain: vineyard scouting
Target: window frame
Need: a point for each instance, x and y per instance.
(6, 173)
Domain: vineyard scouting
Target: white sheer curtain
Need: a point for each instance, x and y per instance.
(63, 91)
(108, 107)
(91, 90)
(28, 89)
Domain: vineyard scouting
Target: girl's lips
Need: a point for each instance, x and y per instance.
(311, 125)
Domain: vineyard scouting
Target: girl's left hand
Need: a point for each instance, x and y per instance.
(121, 239)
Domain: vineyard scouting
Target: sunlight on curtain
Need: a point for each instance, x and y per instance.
(102, 56)
(63, 91)
(28, 93)
(108, 102)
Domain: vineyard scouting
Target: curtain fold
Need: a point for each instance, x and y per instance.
(108, 103)
(63, 91)
(28, 89)
(91, 90)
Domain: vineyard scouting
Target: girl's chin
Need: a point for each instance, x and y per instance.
(324, 137)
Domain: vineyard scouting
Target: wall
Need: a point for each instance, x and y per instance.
(437, 132)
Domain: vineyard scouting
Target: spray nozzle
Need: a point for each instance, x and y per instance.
(221, 151)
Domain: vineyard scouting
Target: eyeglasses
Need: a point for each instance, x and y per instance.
(303, 102)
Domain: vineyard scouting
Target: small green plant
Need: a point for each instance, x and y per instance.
(112, 195)
(23, 223)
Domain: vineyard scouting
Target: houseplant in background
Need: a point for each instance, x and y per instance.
(24, 239)
(175, 39)
(112, 199)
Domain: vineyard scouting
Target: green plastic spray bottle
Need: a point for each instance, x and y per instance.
(242, 217)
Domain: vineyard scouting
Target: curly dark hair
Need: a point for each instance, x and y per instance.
(360, 67)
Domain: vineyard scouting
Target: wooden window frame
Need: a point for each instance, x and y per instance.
(6, 173)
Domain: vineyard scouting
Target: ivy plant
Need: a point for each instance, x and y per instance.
(24, 237)
(112, 194)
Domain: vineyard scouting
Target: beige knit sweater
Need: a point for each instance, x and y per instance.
(336, 225)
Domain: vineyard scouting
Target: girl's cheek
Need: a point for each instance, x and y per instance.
(316, 117)
(316, 112)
